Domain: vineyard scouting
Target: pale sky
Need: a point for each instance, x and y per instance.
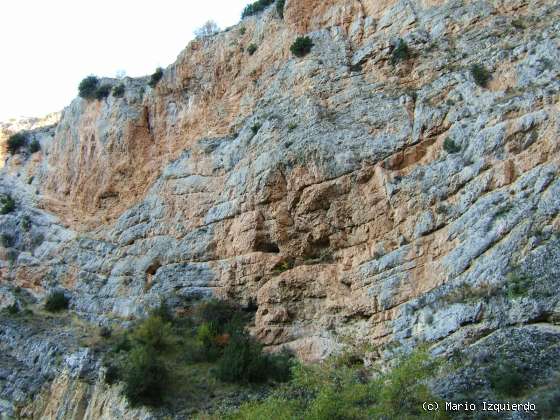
(48, 46)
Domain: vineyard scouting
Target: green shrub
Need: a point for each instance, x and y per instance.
(112, 374)
(34, 146)
(102, 92)
(217, 312)
(7, 204)
(255, 128)
(401, 52)
(56, 301)
(401, 392)
(507, 380)
(146, 377)
(518, 285)
(339, 392)
(88, 87)
(6, 240)
(280, 8)
(242, 30)
(243, 361)
(15, 142)
(118, 91)
(302, 46)
(13, 309)
(256, 7)
(251, 49)
(480, 75)
(154, 332)
(25, 223)
(450, 147)
(156, 77)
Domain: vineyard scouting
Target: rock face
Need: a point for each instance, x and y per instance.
(317, 190)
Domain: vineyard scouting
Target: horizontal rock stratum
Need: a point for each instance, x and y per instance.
(316, 191)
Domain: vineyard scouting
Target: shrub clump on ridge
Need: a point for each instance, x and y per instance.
(88, 87)
(15, 142)
(156, 77)
(256, 7)
(118, 91)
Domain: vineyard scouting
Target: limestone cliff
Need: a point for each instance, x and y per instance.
(316, 190)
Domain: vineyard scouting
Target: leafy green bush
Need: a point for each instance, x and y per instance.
(480, 75)
(401, 52)
(256, 7)
(88, 87)
(218, 322)
(507, 380)
(25, 223)
(141, 358)
(13, 309)
(146, 377)
(7, 204)
(242, 30)
(156, 77)
(154, 332)
(244, 361)
(450, 147)
(112, 374)
(518, 285)
(280, 8)
(255, 128)
(118, 91)
(302, 46)
(251, 49)
(34, 146)
(102, 92)
(6, 240)
(217, 312)
(56, 301)
(15, 142)
(339, 392)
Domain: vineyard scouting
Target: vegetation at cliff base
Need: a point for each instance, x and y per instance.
(15, 142)
(156, 77)
(301, 46)
(163, 357)
(256, 7)
(335, 390)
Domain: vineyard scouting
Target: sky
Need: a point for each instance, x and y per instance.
(49, 46)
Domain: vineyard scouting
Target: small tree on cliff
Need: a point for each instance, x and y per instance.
(88, 87)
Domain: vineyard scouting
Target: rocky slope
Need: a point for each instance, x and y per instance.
(315, 190)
